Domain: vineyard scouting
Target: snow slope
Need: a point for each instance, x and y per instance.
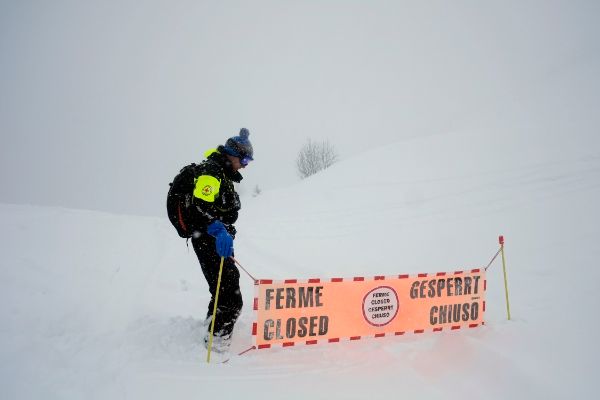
(102, 306)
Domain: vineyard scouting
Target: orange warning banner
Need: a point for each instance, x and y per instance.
(290, 312)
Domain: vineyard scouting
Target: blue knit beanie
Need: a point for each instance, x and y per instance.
(240, 146)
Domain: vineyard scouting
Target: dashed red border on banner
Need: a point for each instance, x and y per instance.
(362, 278)
(355, 338)
(358, 279)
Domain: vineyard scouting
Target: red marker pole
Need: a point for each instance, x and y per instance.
(501, 240)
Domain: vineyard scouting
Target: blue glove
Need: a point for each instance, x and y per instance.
(224, 241)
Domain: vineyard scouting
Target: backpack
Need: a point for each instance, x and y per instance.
(179, 199)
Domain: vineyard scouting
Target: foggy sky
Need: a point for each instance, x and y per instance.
(102, 102)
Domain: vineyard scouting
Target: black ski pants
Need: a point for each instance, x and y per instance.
(230, 302)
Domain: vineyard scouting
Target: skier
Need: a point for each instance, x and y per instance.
(210, 218)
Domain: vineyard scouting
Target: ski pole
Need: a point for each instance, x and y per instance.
(214, 316)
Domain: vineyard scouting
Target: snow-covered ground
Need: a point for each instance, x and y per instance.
(95, 305)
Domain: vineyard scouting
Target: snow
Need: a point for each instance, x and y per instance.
(102, 306)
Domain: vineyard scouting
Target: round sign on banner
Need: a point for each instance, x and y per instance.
(380, 306)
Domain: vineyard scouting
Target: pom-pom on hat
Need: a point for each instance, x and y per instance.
(240, 146)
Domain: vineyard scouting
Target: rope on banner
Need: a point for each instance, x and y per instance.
(501, 251)
(244, 269)
(493, 258)
(247, 350)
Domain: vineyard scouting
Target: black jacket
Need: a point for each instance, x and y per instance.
(215, 175)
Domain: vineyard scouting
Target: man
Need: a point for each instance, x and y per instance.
(215, 206)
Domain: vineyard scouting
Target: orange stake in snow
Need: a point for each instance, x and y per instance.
(316, 311)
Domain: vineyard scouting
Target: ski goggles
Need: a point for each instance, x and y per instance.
(245, 160)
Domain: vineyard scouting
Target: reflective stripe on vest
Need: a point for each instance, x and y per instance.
(207, 188)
